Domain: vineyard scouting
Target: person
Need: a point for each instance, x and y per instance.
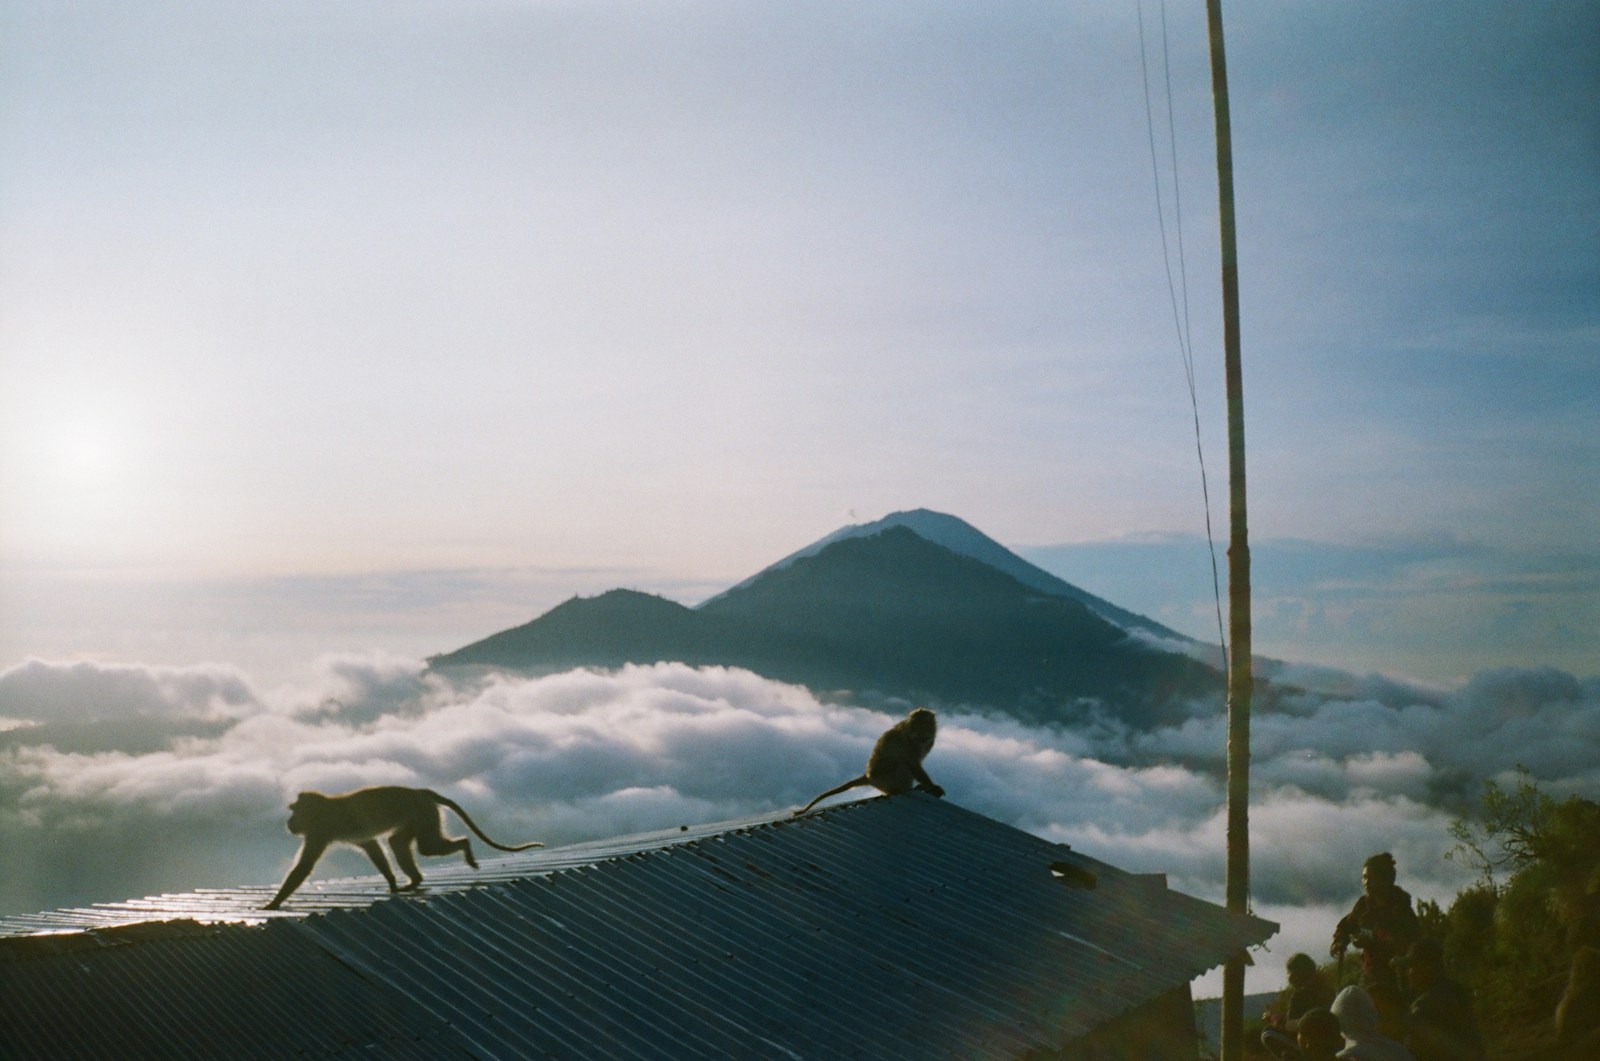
(1382, 923)
(1358, 1021)
(1319, 1036)
(1308, 989)
(1316, 1039)
(1443, 1025)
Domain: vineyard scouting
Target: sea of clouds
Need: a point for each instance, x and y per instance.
(127, 780)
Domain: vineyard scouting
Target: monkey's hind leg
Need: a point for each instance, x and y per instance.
(400, 843)
(432, 842)
(438, 844)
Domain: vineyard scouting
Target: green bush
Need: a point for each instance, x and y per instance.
(1510, 938)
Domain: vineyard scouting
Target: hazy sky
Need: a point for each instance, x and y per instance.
(388, 324)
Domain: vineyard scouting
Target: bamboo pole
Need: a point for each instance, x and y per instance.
(1239, 679)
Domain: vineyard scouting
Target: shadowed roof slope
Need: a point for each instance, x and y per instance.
(891, 927)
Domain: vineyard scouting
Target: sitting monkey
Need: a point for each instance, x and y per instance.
(895, 765)
(405, 815)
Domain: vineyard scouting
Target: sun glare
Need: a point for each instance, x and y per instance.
(78, 461)
(67, 488)
(87, 454)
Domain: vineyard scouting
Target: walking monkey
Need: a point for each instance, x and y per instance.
(895, 765)
(405, 815)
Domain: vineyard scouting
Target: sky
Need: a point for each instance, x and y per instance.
(409, 320)
(337, 335)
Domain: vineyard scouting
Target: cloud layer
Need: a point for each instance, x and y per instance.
(197, 799)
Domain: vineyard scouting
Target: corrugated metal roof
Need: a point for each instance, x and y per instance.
(891, 927)
(187, 990)
(242, 905)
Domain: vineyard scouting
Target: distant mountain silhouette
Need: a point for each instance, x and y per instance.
(885, 614)
(963, 538)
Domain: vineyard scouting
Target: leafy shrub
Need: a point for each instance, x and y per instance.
(1510, 938)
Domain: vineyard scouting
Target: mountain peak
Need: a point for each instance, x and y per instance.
(918, 606)
(962, 538)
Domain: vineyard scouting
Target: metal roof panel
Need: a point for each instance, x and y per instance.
(890, 927)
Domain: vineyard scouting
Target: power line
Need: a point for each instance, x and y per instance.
(1180, 314)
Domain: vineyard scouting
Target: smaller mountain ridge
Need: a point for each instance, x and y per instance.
(890, 614)
(619, 626)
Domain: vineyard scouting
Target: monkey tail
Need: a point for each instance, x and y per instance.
(470, 824)
(847, 786)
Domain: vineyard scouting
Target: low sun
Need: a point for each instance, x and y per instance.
(68, 487)
(86, 455)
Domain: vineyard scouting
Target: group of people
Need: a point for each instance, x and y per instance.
(1406, 1006)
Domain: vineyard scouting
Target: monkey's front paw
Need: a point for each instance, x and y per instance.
(934, 790)
(272, 905)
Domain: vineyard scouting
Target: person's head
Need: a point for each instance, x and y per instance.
(1319, 1033)
(1356, 1011)
(1377, 875)
(1301, 968)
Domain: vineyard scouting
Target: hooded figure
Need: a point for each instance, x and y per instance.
(1358, 1020)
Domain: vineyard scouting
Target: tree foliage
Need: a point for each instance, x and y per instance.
(1511, 936)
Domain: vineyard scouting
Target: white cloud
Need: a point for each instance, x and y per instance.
(363, 688)
(37, 691)
(588, 754)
